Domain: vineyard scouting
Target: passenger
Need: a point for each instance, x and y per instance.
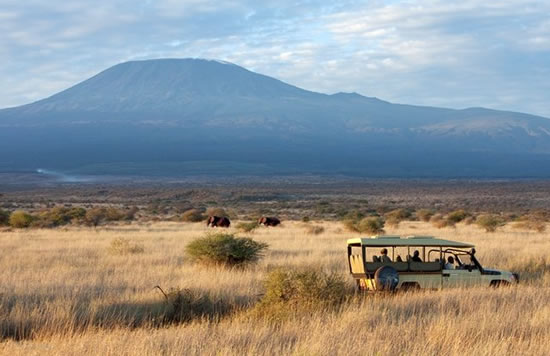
(399, 259)
(416, 256)
(450, 263)
(375, 259)
(384, 258)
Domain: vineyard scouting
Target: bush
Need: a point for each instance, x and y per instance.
(457, 216)
(248, 226)
(305, 219)
(99, 215)
(20, 219)
(226, 250)
(425, 214)
(114, 214)
(187, 304)
(58, 216)
(4, 218)
(531, 222)
(439, 221)
(216, 212)
(394, 217)
(371, 225)
(489, 222)
(121, 246)
(130, 214)
(291, 292)
(192, 215)
(94, 216)
(315, 230)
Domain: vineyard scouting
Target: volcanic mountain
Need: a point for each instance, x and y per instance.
(175, 117)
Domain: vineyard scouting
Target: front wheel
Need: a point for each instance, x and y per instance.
(497, 284)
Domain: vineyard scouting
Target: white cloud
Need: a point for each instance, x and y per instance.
(432, 52)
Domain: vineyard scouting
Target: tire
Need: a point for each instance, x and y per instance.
(386, 279)
(498, 284)
(409, 287)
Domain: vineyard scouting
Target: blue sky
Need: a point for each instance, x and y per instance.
(440, 53)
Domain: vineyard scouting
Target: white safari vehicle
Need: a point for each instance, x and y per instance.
(418, 262)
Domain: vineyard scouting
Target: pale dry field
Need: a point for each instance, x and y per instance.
(62, 292)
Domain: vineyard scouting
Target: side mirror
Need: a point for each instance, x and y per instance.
(469, 268)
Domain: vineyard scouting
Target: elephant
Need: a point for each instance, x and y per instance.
(269, 221)
(216, 221)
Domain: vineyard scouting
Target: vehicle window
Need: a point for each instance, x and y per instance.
(399, 254)
(433, 254)
(373, 254)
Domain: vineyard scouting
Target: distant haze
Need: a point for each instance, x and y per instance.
(176, 117)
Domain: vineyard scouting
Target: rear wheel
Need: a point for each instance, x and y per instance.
(386, 279)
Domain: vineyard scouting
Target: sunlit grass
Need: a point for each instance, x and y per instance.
(64, 292)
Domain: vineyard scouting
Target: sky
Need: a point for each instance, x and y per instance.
(446, 53)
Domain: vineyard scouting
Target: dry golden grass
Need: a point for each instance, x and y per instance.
(63, 292)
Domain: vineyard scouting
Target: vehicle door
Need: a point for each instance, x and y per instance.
(461, 278)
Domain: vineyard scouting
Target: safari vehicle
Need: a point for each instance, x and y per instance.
(389, 263)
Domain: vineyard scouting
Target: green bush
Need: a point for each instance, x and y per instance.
(58, 216)
(114, 214)
(299, 292)
(4, 218)
(99, 215)
(371, 225)
(425, 214)
(192, 215)
(305, 219)
(489, 222)
(20, 219)
(394, 217)
(248, 226)
(94, 216)
(225, 249)
(457, 216)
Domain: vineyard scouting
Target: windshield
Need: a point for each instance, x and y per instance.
(461, 259)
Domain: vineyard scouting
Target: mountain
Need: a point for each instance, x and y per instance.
(194, 116)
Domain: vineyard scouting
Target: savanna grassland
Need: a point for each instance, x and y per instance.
(80, 290)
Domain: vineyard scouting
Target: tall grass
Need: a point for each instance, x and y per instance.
(61, 293)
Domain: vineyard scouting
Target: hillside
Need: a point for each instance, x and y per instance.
(192, 116)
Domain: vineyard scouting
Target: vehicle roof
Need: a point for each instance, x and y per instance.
(393, 240)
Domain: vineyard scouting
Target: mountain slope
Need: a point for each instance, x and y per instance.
(140, 114)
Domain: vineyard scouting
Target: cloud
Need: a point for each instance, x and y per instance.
(430, 52)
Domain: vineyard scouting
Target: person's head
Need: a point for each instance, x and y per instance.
(384, 251)
(451, 259)
(416, 253)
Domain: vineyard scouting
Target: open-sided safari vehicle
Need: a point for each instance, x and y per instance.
(418, 262)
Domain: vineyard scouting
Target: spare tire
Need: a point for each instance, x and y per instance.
(386, 278)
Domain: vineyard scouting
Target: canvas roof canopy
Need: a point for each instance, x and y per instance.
(392, 240)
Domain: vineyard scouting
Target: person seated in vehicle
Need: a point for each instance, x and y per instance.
(384, 256)
(399, 259)
(375, 258)
(416, 256)
(450, 263)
